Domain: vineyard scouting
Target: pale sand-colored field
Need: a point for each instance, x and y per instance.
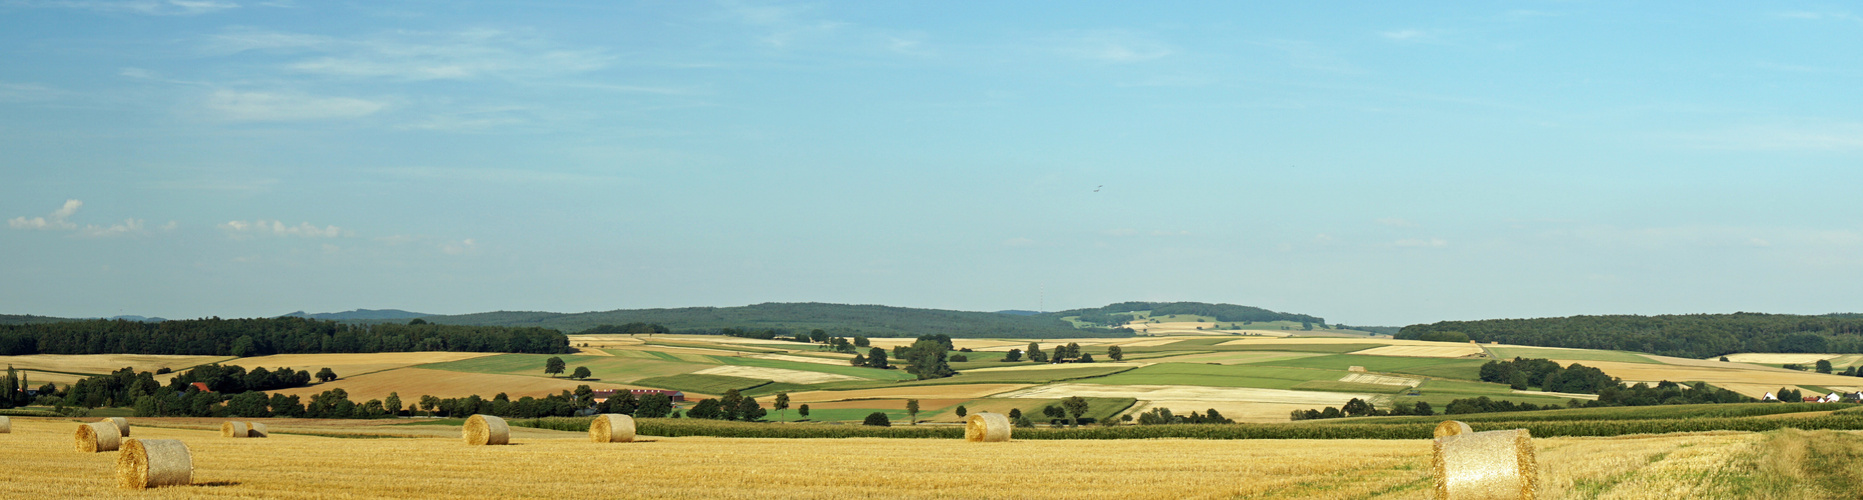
(288, 466)
(1153, 342)
(1441, 350)
(106, 363)
(1191, 393)
(1053, 366)
(1738, 377)
(1367, 378)
(1338, 340)
(918, 392)
(346, 365)
(1235, 357)
(776, 374)
(591, 351)
(412, 383)
(1771, 358)
(805, 359)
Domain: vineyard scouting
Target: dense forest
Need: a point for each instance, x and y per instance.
(1688, 336)
(840, 320)
(1109, 315)
(265, 336)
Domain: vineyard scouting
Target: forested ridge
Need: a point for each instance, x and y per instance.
(1682, 335)
(836, 319)
(1221, 312)
(265, 336)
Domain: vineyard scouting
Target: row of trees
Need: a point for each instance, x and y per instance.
(1361, 408)
(1069, 353)
(266, 336)
(1689, 335)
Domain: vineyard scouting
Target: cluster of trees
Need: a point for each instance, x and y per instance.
(1163, 416)
(1666, 393)
(1689, 335)
(634, 328)
(555, 365)
(1360, 408)
(1069, 353)
(926, 358)
(235, 379)
(1521, 374)
(1114, 315)
(266, 336)
(14, 389)
(730, 406)
(875, 358)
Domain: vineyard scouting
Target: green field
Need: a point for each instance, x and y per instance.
(1569, 354)
(852, 371)
(617, 369)
(1430, 367)
(707, 384)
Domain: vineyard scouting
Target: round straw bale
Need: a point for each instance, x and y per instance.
(1491, 464)
(232, 429)
(986, 427)
(122, 424)
(487, 430)
(612, 428)
(148, 463)
(1452, 427)
(255, 429)
(98, 436)
(6, 425)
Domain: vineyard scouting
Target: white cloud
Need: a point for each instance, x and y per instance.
(146, 7)
(262, 227)
(417, 56)
(1421, 243)
(1113, 47)
(271, 106)
(55, 221)
(1404, 35)
(459, 247)
(128, 226)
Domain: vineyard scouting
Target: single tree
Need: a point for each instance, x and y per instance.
(326, 375)
(877, 419)
(1014, 355)
(803, 411)
(859, 360)
(782, 404)
(961, 412)
(392, 403)
(876, 358)
(1075, 406)
(912, 410)
(861, 341)
(582, 372)
(1116, 353)
(553, 366)
(1015, 413)
(1824, 366)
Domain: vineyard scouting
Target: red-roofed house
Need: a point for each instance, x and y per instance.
(201, 386)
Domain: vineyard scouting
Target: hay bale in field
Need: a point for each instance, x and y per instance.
(149, 463)
(986, 427)
(612, 428)
(122, 424)
(481, 430)
(6, 425)
(98, 436)
(1491, 464)
(255, 429)
(1452, 427)
(231, 429)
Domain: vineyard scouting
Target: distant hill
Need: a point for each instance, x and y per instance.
(144, 319)
(867, 320)
(361, 314)
(27, 319)
(836, 319)
(1111, 314)
(1680, 335)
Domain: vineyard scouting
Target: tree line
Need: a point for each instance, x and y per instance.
(1114, 314)
(266, 336)
(1684, 335)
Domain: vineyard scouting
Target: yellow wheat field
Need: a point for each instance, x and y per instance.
(1703, 465)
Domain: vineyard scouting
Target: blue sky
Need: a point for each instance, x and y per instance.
(1372, 163)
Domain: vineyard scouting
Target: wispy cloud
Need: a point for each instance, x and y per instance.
(28, 92)
(145, 7)
(1308, 55)
(59, 220)
(1797, 136)
(1404, 35)
(262, 227)
(416, 56)
(286, 106)
(782, 25)
(1112, 46)
(460, 247)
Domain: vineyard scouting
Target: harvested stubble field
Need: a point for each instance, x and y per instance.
(1784, 464)
(346, 365)
(412, 383)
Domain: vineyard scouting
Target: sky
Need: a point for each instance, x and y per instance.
(1372, 163)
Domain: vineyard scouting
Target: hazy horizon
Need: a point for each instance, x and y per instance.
(1373, 164)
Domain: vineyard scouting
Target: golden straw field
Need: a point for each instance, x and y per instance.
(550, 464)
